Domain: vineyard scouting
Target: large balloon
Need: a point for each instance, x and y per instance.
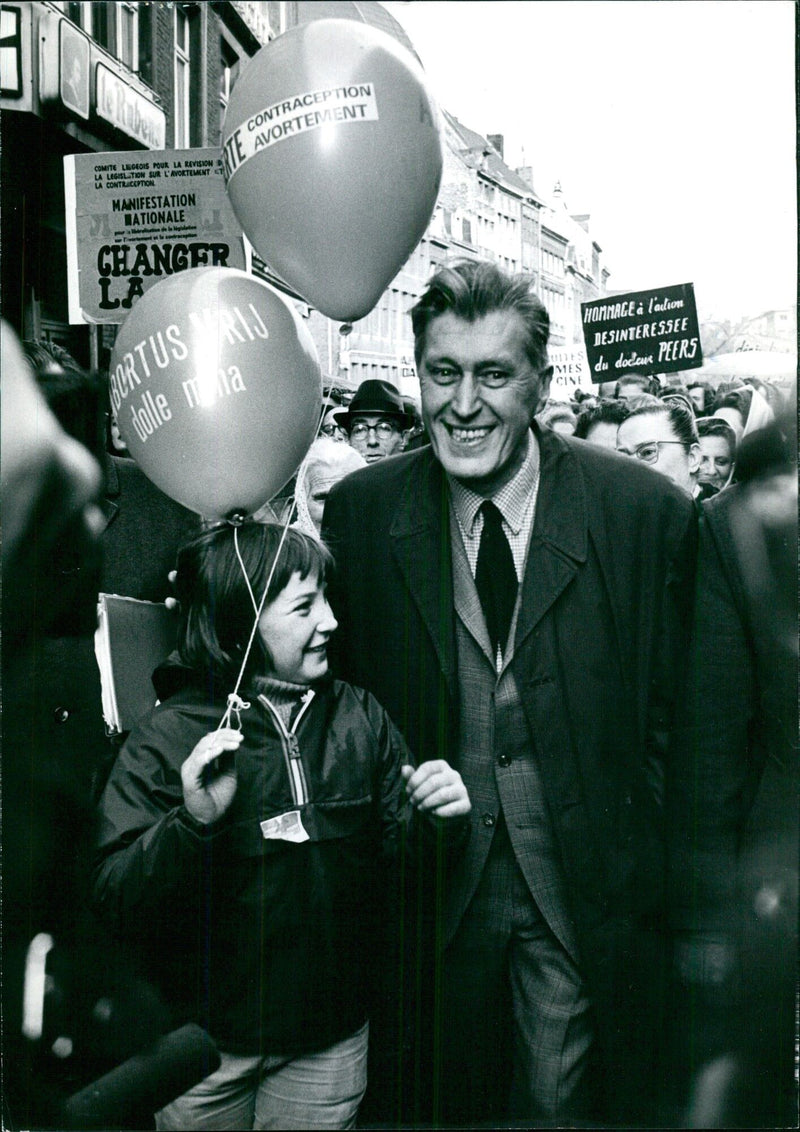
(333, 157)
(216, 388)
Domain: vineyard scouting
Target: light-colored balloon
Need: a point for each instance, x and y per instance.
(333, 156)
(216, 388)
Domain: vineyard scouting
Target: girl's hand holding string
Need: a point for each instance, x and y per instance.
(209, 775)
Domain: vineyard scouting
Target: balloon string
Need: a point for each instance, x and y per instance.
(234, 699)
(235, 702)
(236, 705)
(244, 571)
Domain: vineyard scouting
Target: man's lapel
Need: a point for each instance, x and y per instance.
(420, 540)
(559, 540)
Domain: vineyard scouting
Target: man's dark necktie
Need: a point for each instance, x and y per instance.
(495, 576)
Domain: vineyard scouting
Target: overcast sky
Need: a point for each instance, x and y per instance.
(671, 121)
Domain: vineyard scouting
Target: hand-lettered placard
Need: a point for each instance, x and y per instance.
(642, 332)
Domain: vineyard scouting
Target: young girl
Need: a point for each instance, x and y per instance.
(248, 862)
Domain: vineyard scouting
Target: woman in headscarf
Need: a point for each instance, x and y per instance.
(327, 462)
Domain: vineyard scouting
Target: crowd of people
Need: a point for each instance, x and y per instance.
(705, 424)
(471, 795)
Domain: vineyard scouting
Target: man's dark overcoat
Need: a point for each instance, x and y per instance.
(600, 641)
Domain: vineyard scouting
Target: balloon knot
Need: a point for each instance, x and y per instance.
(345, 329)
(236, 518)
(236, 705)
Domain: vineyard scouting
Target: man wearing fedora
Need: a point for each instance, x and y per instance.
(375, 420)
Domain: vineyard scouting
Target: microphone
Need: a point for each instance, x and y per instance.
(145, 1082)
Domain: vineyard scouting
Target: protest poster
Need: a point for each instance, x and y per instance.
(642, 332)
(136, 216)
(570, 371)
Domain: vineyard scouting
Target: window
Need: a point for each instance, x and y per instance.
(11, 53)
(100, 25)
(128, 35)
(85, 14)
(75, 11)
(228, 74)
(147, 41)
(183, 69)
(277, 16)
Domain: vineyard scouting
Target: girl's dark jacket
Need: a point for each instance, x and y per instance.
(268, 943)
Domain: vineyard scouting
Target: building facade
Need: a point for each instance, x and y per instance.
(484, 210)
(83, 77)
(572, 272)
(80, 77)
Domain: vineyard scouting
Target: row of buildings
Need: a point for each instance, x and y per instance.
(487, 210)
(78, 77)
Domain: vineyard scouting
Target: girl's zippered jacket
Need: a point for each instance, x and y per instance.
(262, 927)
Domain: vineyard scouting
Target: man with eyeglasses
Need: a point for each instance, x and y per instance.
(375, 420)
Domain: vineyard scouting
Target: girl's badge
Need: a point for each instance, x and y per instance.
(285, 827)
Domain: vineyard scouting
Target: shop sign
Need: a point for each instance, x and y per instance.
(16, 72)
(10, 52)
(407, 366)
(134, 217)
(642, 332)
(124, 108)
(66, 58)
(73, 68)
(64, 65)
(570, 371)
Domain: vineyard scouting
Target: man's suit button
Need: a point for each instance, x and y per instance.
(504, 760)
(61, 714)
(488, 819)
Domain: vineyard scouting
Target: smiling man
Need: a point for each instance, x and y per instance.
(514, 598)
